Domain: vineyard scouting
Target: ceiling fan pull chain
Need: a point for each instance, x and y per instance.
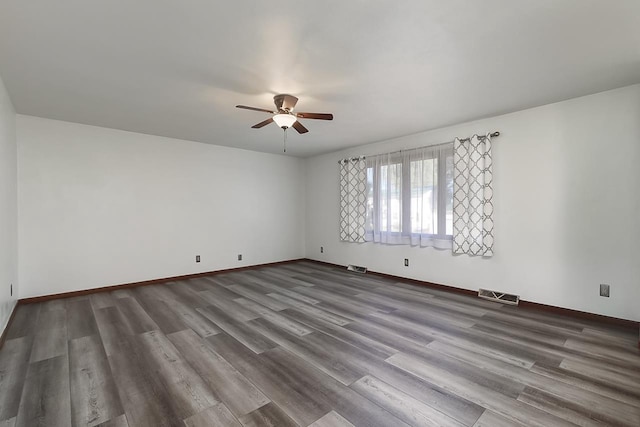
(285, 141)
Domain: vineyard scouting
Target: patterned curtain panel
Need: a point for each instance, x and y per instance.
(353, 199)
(473, 197)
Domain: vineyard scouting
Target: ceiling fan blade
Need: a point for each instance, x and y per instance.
(244, 107)
(298, 126)
(262, 124)
(318, 116)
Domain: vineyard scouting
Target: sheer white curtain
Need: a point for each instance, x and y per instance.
(409, 197)
(473, 197)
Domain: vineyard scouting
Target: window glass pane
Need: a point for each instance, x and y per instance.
(424, 196)
(449, 194)
(391, 197)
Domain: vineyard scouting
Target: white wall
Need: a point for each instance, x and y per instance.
(567, 197)
(102, 207)
(8, 208)
(99, 207)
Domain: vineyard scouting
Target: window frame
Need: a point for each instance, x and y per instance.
(441, 156)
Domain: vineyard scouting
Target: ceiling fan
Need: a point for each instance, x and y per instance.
(284, 115)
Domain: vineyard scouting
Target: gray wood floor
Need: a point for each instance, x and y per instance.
(305, 344)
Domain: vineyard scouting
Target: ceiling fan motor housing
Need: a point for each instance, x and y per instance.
(285, 102)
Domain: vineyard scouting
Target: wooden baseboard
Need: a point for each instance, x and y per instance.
(523, 304)
(439, 286)
(580, 314)
(446, 288)
(6, 328)
(42, 298)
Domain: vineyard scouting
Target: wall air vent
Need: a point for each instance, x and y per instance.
(356, 268)
(499, 296)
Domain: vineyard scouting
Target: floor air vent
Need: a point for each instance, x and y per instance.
(357, 268)
(499, 296)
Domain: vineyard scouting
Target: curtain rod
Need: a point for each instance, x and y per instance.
(492, 135)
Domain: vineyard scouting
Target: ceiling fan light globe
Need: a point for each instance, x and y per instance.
(284, 120)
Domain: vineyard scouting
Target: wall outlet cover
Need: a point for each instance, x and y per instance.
(406, 262)
(197, 258)
(239, 257)
(604, 290)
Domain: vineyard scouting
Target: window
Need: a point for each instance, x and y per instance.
(410, 197)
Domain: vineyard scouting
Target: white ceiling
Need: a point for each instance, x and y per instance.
(384, 68)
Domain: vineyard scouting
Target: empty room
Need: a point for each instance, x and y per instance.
(325, 214)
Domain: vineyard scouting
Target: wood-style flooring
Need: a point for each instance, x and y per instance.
(304, 344)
